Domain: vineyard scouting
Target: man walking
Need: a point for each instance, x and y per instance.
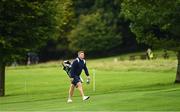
(77, 66)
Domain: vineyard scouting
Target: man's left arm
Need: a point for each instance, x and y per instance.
(87, 73)
(86, 70)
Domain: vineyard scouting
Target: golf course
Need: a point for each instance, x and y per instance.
(117, 84)
(89, 55)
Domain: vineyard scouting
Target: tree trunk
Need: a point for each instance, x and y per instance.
(2, 79)
(178, 69)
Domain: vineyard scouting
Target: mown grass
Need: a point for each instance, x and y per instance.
(121, 85)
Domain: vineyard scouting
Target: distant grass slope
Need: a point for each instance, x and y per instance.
(139, 85)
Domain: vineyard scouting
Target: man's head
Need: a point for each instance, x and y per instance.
(81, 54)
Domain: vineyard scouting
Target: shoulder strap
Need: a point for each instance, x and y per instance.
(79, 60)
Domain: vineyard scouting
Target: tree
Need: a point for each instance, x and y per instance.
(24, 25)
(64, 20)
(156, 23)
(92, 34)
(100, 28)
(83, 7)
(71, 14)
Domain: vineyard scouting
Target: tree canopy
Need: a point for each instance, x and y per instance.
(24, 26)
(155, 22)
(90, 25)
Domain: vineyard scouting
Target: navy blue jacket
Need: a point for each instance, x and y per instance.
(77, 66)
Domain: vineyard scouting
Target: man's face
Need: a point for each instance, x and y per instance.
(81, 55)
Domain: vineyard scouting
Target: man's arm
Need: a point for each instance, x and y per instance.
(87, 74)
(86, 70)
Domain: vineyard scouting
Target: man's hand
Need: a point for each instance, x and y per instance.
(88, 79)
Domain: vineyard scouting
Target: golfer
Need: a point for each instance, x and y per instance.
(77, 66)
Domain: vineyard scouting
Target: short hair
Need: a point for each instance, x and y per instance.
(79, 52)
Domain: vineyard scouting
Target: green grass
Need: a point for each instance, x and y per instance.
(120, 86)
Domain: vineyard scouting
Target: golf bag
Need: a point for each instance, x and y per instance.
(67, 67)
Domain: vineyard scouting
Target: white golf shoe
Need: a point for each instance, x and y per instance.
(69, 101)
(85, 98)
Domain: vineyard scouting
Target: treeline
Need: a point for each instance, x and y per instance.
(96, 26)
(57, 29)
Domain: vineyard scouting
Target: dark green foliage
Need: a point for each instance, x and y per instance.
(93, 34)
(155, 22)
(57, 47)
(108, 31)
(101, 28)
(83, 6)
(24, 26)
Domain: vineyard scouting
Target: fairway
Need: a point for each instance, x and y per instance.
(128, 86)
